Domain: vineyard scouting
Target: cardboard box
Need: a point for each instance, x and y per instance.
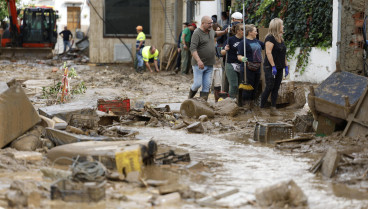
(17, 114)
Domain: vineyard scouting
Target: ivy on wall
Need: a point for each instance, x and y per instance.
(307, 23)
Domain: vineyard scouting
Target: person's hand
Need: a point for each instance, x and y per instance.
(244, 59)
(200, 65)
(179, 50)
(274, 71)
(138, 49)
(227, 47)
(185, 46)
(227, 29)
(286, 71)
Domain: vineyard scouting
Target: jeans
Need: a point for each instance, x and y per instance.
(67, 43)
(272, 85)
(202, 77)
(140, 58)
(233, 78)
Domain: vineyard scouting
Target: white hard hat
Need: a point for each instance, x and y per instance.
(237, 15)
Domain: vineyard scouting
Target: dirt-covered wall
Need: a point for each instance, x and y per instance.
(351, 46)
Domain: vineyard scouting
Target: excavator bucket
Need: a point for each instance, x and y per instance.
(25, 53)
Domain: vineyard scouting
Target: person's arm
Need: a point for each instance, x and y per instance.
(140, 45)
(199, 61)
(148, 66)
(61, 34)
(220, 33)
(193, 49)
(156, 65)
(269, 47)
(71, 34)
(226, 49)
(183, 40)
(241, 57)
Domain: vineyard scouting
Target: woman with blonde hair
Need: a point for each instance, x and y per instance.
(274, 63)
(232, 67)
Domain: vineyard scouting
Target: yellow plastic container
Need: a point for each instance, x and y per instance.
(129, 159)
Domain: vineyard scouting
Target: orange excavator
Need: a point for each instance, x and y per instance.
(34, 36)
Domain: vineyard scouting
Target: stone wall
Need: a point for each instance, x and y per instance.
(351, 46)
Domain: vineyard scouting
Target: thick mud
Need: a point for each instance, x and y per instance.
(226, 153)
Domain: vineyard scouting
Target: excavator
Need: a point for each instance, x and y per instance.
(34, 36)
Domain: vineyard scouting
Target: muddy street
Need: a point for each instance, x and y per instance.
(224, 157)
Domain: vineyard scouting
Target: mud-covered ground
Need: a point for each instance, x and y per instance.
(226, 153)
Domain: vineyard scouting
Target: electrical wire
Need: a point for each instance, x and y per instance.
(103, 20)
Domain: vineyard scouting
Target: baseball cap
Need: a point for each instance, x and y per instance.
(139, 27)
(193, 24)
(237, 15)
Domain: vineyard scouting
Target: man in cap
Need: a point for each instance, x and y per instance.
(140, 41)
(146, 55)
(236, 18)
(184, 46)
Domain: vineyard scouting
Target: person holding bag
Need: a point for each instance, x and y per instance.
(253, 60)
(232, 67)
(274, 63)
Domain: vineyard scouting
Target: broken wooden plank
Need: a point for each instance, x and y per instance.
(298, 139)
(206, 200)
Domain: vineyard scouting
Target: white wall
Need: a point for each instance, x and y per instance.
(204, 8)
(321, 63)
(319, 67)
(61, 6)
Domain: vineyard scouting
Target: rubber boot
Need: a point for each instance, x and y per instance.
(274, 112)
(191, 94)
(204, 95)
(217, 93)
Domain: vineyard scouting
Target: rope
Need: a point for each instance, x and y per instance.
(88, 171)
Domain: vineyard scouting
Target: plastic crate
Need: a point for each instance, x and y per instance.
(71, 191)
(119, 107)
(269, 132)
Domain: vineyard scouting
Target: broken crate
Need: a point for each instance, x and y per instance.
(270, 132)
(118, 107)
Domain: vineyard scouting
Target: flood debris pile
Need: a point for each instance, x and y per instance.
(95, 147)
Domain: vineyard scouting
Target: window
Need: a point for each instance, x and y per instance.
(123, 16)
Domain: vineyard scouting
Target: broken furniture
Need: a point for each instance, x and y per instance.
(168, 56)
(335, 98)
(358, 120)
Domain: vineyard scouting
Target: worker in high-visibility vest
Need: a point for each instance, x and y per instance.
(140, 41)
(146, 55)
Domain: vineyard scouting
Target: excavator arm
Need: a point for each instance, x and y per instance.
(14, 27)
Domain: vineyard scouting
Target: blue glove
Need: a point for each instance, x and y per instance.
(286, 71)
(274, 71)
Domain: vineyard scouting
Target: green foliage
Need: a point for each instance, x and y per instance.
(4, 8)
(72, 73)
(51, 92)
(307, 23)
(80, 88)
